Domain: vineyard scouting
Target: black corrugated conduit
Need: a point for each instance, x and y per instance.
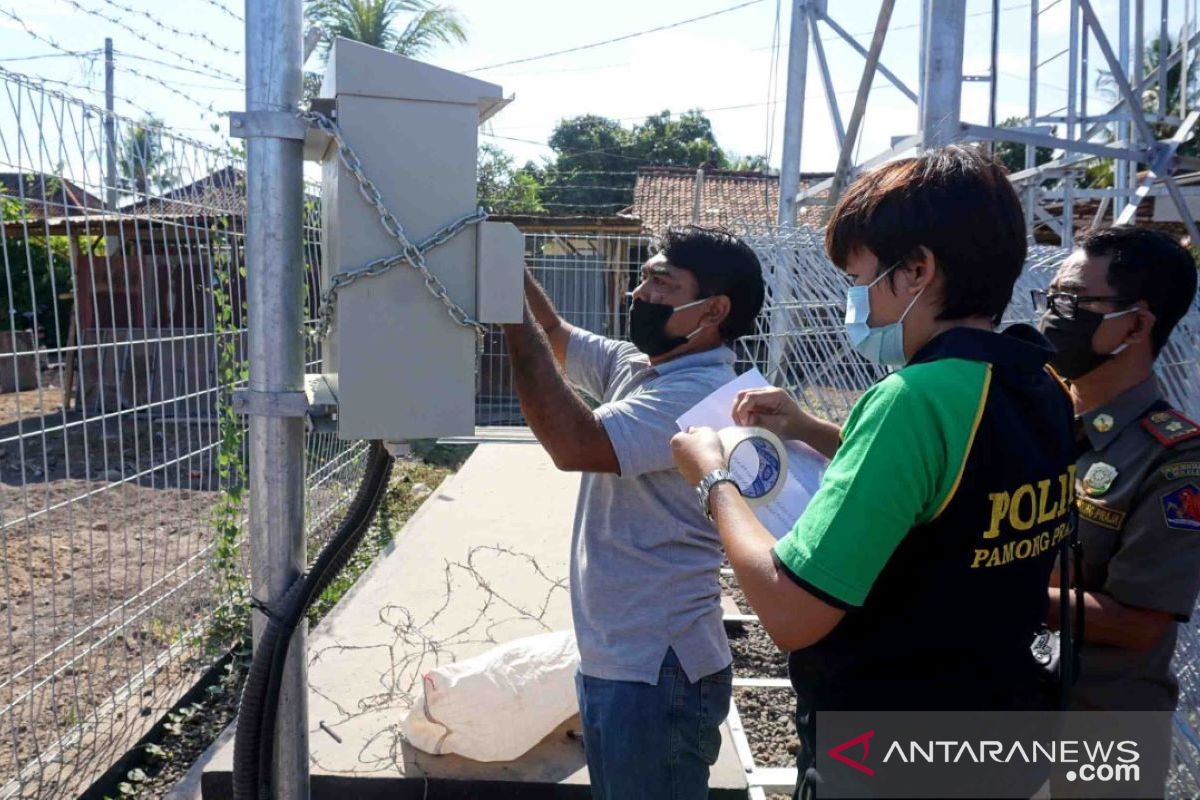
(254, 744)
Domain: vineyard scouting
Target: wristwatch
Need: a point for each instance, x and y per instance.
(709, 481)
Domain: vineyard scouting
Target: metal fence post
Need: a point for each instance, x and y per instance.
(275, 263)
(793, 120)
(942, 90)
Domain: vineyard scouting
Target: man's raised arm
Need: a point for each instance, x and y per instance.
(558, 330)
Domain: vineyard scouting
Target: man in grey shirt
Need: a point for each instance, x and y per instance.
(655, 679)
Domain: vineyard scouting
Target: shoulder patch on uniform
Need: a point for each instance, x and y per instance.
(1181, 508)
(1100, 515)
(1181, 469)
(1170, 427)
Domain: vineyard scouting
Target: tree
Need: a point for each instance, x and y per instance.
(40, 269)
(375, 22)
(504, 190)
(756, 163)
(141, 159)
(684, 141)
(1012, 155)
(588, 174)
(596, 158)
(1154, 53)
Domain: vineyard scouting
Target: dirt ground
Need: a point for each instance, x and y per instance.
(103, 528)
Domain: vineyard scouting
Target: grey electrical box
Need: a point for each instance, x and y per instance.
(405, 369)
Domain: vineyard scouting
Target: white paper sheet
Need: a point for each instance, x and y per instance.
(805, 465)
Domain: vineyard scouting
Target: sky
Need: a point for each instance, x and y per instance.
(725, 64)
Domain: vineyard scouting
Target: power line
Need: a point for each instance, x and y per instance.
(158, 23)
(176, 67)
(212, 73)
(47, 55)
(569, 153)
(773, 81)
(616, 39)
(91, 54)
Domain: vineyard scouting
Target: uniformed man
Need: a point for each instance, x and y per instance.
(1109, 312)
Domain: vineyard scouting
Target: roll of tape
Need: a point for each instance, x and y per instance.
(758, 461)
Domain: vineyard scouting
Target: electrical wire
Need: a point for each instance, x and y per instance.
(47, 55)
(773, 82)
(616, 39)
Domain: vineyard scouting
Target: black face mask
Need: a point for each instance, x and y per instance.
(1072, 338)
(648, 327)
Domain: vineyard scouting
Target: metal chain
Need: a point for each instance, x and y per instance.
(412, 254)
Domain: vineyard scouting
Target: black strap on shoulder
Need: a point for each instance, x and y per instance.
(1070, 631)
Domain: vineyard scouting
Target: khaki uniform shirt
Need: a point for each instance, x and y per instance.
(1138, 495)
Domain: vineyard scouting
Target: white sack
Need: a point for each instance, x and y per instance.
(499, 704)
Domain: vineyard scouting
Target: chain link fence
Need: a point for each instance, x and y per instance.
(123, 576)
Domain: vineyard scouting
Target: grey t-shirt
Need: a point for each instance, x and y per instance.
(644, 560)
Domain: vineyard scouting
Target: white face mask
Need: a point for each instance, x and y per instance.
(884, 344)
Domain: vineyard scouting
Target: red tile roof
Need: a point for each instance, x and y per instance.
(665, 196)
(47, 195)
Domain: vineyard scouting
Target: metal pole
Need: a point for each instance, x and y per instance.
(942, 90)
(1185, 61)
(841, 175)
(835, 114)
(1163, 54)
(793, 119)
(1139, 72)
(922, 47)
(1068, 206)
(1120, 169)
(110, 141)
(995, 66)
(1031, 187)
(275, 263)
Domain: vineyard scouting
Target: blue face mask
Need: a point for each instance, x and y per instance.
(884, 344)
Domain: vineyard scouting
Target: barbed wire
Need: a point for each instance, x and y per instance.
(413, 645)
(39, 84)
(90, 56)
(158, 23)
(211, 72)
(220, 7)
(46, 39)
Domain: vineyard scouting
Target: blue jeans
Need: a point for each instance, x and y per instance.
(653, 742)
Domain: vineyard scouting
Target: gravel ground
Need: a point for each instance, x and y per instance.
(767, 713)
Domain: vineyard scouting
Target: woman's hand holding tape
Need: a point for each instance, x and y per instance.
(755, 456)
(771, 408)
(697, 453)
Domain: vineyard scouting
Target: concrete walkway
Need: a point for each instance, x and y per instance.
(483, 561)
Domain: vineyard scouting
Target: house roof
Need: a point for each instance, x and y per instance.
(584, 224)
(48, 195)
(219, 193)
(665, 196)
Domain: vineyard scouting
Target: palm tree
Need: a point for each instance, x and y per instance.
(1175, 84)
(374, 22)
(142, 158)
